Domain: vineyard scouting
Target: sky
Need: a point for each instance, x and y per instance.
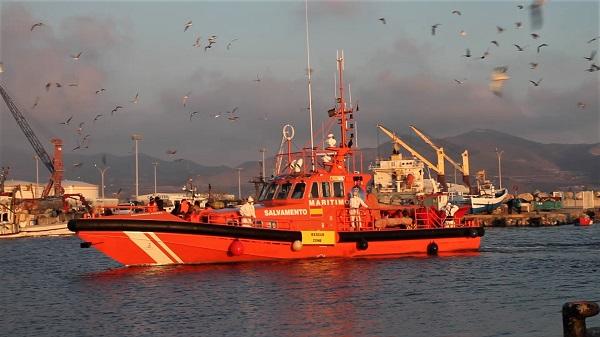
(398, 72)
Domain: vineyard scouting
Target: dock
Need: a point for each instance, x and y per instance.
(559, 217)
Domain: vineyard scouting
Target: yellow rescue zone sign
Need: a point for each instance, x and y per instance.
(318, 237)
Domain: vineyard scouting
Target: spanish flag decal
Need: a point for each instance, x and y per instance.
(316, 211)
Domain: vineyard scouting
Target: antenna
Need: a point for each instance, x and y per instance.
(309, 70)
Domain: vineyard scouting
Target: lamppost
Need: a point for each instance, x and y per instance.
(155, 165)
(37, 174)
(263, 150)
(239, 169)
(499, 154)
(102, 171)
(136, 137)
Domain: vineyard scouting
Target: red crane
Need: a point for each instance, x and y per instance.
(55, 166)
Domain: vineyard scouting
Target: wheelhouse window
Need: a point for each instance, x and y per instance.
(298, 192)
(283, 191)
(326, 190)
(268, 192)
(263, 192)
(338, 189)
(314, 190)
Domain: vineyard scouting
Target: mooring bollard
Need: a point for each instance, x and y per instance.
(574, 315)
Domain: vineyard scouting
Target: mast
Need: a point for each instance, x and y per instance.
(310, 111)
(341, 102)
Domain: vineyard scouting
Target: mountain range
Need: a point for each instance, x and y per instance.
(525, 165)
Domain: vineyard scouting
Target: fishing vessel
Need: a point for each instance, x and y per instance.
(307, 210)
(486, 200)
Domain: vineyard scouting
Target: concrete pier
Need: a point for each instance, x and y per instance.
(530, 219)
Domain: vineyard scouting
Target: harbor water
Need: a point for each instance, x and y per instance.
(515, 286)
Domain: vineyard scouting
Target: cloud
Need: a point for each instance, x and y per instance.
(34, 58)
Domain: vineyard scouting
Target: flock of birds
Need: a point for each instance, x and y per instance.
(499, 75)
(83, 138)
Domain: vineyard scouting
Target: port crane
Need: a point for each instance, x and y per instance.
(439, 168)
(464, 168)
(55, 166)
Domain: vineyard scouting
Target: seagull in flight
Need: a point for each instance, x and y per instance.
(498, 78)
(98, 92)
(171, 152)
(233, 118)
(58, 85)
(518, 24)
(112, 112)
(382, 20)
(187, 26)
(540, 46)
(594, 39)
(520, 6)
(257, 78)
(533, 65)
(499, 29)
(73, 84)
(467, 53)
(456, 12)
(519, 48)
(462, 33)
(593, 67)
(48, 85)
(39, 24)
(135, 99)
(185, 98)
(192, 114)
(197, 43)
(536, 84)
(78, 164)
(591, 56)
(37, 101)
(485, 54)
(434, 27)
(581, 105)
(495, 42)
(230, 42)
(67, 121)
(535, 35)
(77, 56)
(98, 117)
(232, 111)
(460, 81)
(76, 148)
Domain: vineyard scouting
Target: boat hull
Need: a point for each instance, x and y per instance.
(167, 242)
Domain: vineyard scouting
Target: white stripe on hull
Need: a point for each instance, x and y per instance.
(165, 247)
(155, 253)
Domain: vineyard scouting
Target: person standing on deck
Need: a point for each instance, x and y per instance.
(355, 203)
(248, 213)
(184, 208)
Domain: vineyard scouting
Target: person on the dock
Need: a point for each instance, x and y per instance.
(355, 203)
(247, 212)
